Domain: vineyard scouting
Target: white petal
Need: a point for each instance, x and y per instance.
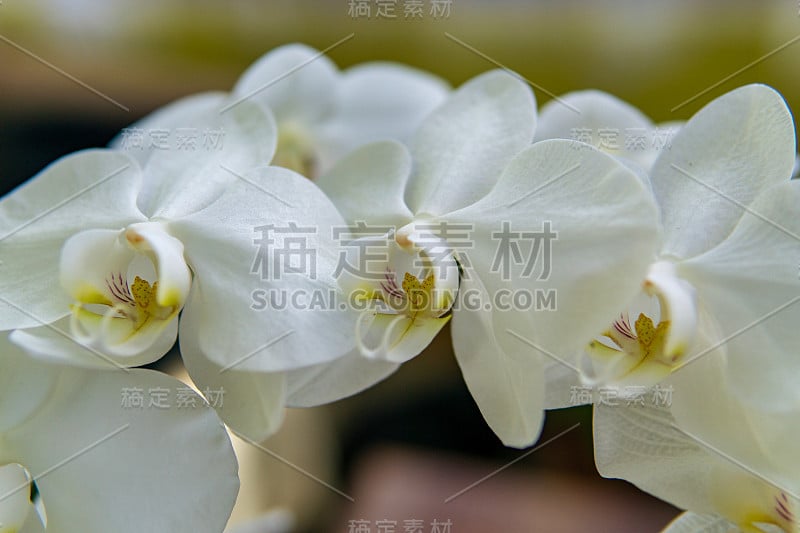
(274, 521)
(677, 304)
(602, 228)
(160, 128)
(396, 338)
(689, 522)
(15, 504)
(59, 343)
(301, 322)
(251, 402)
(205, 155)
(101, 271)
(607, 122)
(329, 382)
(562, 386)
(726, 477)
(461, 148)
(508, 386)
(88, 261)
(639, 444)
(98, 463)
(33, 525)
(749, 285)
(376, 101)
(166, 253)
(735, 147)
(90, 189)
(296, 82)
(368, 184)
(25, 384)
(706, 406)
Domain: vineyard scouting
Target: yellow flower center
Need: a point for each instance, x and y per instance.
(144, 300)
(651, 338)
(419, 294)
(295, 151)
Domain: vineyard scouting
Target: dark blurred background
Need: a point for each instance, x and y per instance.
(404, 447)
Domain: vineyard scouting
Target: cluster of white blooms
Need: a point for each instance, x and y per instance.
(306, 234)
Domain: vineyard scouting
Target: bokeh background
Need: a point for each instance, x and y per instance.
(403, 448)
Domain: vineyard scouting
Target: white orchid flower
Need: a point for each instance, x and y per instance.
(87, 243)
(728, 262)
(321, 113)
(471, 166)
(75, 455)
(731, 466)
(133, 247)
(607, 123)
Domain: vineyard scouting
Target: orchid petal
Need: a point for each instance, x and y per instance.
(233, 266)
(639, 443)
(732, 149)
(216, 142)
(377, 101)
(749, 285)
(396, 338)
(330, 382)
(15, 505)
(252, 401)
(566, 201)
(597, 113)
(294, 81)
(368, 184)
(160, 129)
(508, 386)
(460, 150)
(690, 522)
(91, 456)
(93, 188)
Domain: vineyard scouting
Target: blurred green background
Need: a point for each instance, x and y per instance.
(57, 55)
(142, 54)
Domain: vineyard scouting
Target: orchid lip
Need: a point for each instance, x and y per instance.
(20, 497)
(648, 344)
(416, 284)
(128, 285)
